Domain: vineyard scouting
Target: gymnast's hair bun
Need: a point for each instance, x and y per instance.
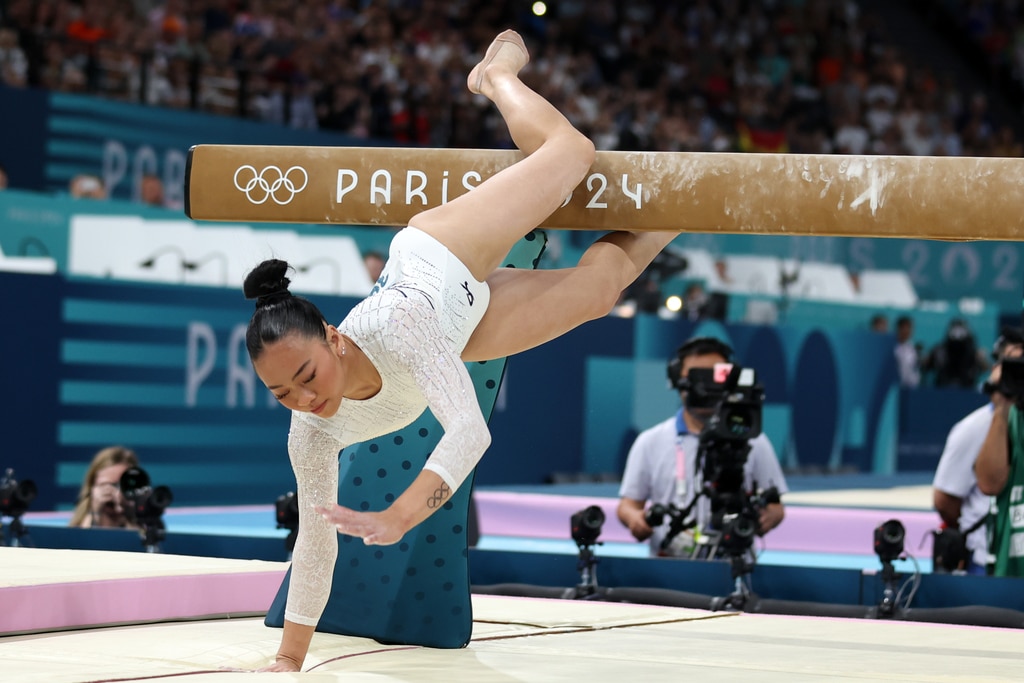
(267, 283)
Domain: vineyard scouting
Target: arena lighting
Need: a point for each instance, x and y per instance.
(170, 249)
(335, 270)
(674, 303)
(540, 9)
(200, 262)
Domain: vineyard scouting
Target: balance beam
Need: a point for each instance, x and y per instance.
(940, 198)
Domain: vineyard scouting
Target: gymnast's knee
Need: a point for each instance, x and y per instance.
(583, 148)
(602, 299)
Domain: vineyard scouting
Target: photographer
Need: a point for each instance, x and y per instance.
(663, 468)
(999, 467)
(100, 501)
(963, 543)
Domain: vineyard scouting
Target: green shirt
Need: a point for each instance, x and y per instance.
(1008, 522)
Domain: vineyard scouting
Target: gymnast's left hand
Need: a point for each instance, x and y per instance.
(375, 528)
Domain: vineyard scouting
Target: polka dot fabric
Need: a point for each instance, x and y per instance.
(415, 592)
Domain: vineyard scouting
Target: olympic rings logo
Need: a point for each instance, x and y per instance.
(270, 183)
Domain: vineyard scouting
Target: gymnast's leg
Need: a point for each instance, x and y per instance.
(528, 308)
(531, 307)
(481, 226)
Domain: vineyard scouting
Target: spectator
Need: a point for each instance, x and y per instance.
(85, 186)
(13, 63)
(956, 360)
(100, 502)
(879, 323)
(956, 496)
(662, 466)
(908, 362)
(374, 262)
(151, 190)
(765, 75)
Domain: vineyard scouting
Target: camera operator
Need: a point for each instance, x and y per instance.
(956, 496)
(100, 500)
(999, 466)
(662, 466)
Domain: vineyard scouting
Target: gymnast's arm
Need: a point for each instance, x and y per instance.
(442, 377)
(314, 457)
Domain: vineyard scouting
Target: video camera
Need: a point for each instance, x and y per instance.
(735, 397)
(1011, 380)
(585, 525)
(732, 399)
(145, 504)
(15, 496)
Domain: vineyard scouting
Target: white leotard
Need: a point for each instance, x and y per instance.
(413, 328)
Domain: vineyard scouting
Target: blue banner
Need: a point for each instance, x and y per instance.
(160, 369)
(49, 138)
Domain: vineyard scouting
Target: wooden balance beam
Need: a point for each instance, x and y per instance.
(941, 198)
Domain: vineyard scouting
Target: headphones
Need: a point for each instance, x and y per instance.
(698, 346)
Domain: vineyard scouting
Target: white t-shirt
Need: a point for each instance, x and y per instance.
(955, 476)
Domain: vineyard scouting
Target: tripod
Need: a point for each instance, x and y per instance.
(586, 564)
(153, 533)
(741, 569)
(887, 607)
(17, 534)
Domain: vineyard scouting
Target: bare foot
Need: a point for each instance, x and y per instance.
(507, 52)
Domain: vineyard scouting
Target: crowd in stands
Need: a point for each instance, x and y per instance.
(816, 76)
(995, 28)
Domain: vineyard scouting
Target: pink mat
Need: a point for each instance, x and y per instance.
(805, 529)
(59, 606)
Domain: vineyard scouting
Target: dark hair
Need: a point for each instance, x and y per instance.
(279, 313)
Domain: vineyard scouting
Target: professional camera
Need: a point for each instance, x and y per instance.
(145, 504)
(15, 496)
(586, 525)
(889, 539)
(732, 400)
(286, 512)
(1011, 380)
(734, 395)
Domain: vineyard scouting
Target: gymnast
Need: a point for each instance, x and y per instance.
(442, 299)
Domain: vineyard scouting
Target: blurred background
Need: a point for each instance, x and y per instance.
(124, 321)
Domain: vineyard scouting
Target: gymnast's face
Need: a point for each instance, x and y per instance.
(305, 373)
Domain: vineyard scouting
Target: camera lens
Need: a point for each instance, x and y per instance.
(133, 479)
(586, 525)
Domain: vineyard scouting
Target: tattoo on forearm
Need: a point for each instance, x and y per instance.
(439, 496)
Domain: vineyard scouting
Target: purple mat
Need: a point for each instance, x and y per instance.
(805, 529)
